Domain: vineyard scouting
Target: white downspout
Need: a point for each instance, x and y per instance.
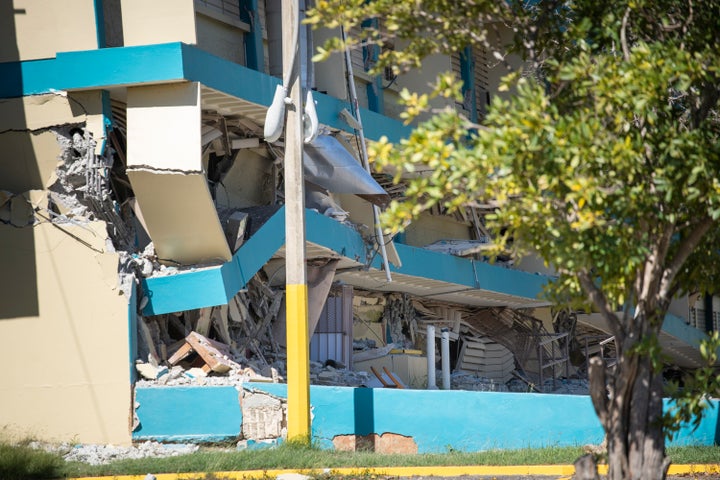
(445, 358)
(431, 381)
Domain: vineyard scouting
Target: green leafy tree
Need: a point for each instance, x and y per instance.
(605, 162)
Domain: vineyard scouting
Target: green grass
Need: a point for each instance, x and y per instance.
(19, 462)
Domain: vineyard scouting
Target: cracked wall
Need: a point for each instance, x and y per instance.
(62, 306)
(167, 175)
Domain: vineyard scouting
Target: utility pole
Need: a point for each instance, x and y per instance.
(298, 341)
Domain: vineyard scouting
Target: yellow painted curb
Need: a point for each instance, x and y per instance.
(487, 470)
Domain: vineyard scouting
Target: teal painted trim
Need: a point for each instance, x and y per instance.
(99, 23)
(132, 334)
(498, 420)
(509, 281)
(340, 238)
(166, 63)
(419, 262)
(184, 291)
(254, 253)
(254, 55)
(228, 77)
(93, 69)
(467, 73)
(374, 89)
(107, 118)
(677, 327)
(256, 87)
(216, 286)
(188, 414)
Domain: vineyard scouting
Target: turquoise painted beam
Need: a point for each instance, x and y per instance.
(213, 286)
(677, 327)
(99, 23)
(216, 286)
(340, 238)
(374, 89)
(419, 262)
(184, 291)
(250, 14)
(166, 63)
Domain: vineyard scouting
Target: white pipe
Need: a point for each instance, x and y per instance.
(431, 381)
(363, 153)
(445, 358)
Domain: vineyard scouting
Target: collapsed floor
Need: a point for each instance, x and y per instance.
(491, 349)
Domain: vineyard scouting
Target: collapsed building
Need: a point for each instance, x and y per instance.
(142, 230)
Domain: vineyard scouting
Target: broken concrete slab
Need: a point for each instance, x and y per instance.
(180, 217)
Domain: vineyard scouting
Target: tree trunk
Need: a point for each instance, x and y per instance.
(631, 415)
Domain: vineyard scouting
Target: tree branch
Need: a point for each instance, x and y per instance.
(653, 265)
(598, 298)
(623, 35)
(598, 390)
(685, 248)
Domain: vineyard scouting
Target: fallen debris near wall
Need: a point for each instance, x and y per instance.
(95, 454)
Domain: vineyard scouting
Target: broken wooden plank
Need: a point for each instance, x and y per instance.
(181, 353)
(218, 361)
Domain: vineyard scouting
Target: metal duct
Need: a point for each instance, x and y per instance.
(328, 164)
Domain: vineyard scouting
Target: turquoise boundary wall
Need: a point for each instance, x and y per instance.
(438, 420)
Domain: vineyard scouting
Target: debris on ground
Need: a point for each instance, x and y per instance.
(95, 454)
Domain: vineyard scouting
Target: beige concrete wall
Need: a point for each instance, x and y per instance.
(534, 264)
(421, 80)
(220, 38)
(427, 229)
(30, 149)
(330, 74)
(164, 127)
(158, 21)
(165, 169)
(180, 217)
(64, 326)
(34, 29)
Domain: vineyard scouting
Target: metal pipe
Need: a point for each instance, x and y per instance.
(363, 150)
(431, 381)
(445, 358)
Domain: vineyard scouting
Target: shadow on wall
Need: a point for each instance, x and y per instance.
(18, 282)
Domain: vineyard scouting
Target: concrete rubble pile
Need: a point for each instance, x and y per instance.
(103, 454)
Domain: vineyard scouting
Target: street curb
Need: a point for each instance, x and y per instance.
(478, 470)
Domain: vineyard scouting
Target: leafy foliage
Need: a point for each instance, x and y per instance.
(604, 160)
(690, 400)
